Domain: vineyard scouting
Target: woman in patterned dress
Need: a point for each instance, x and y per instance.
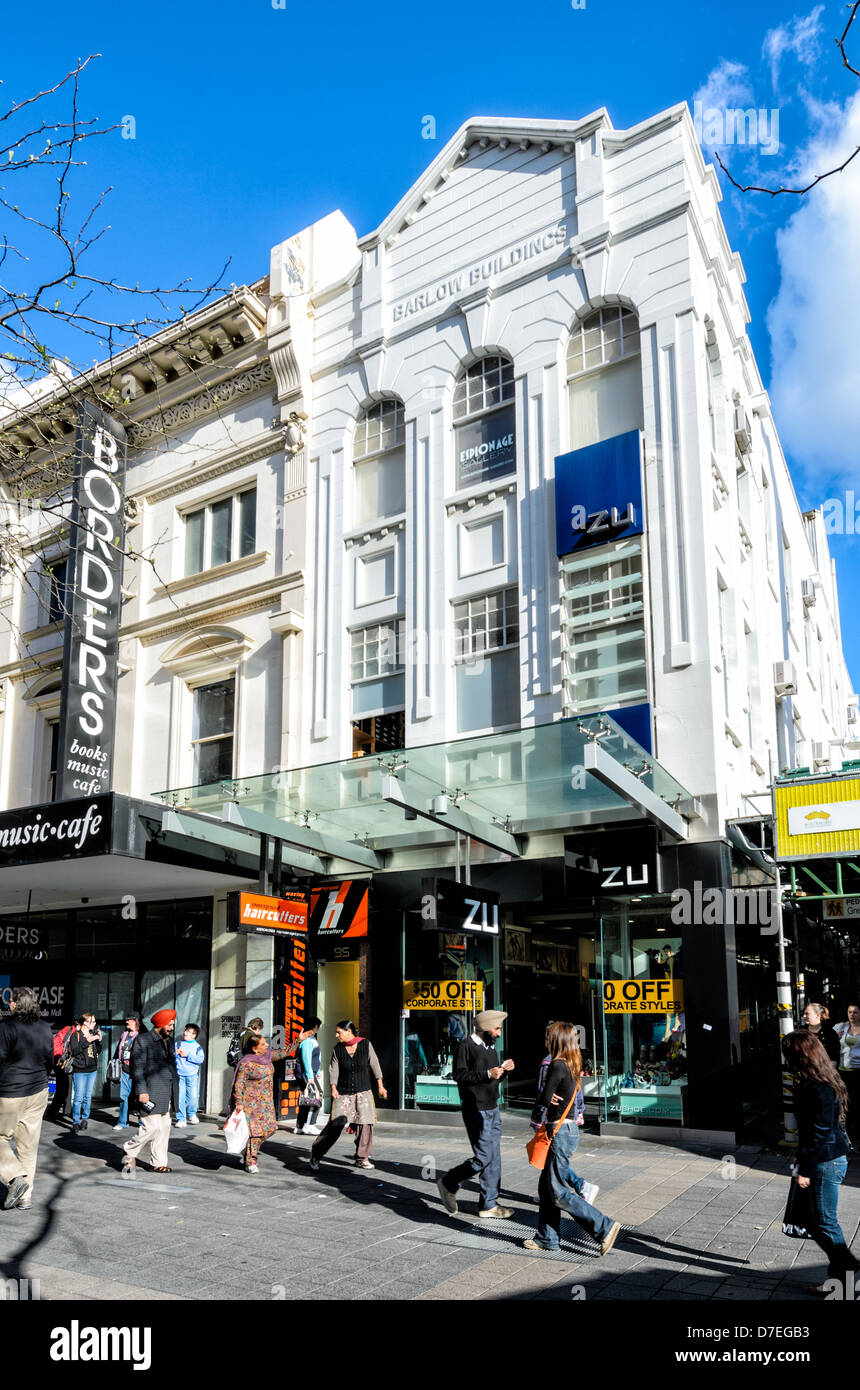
(252, 1090)
(353, 1064)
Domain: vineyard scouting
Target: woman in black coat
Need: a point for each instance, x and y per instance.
(820, 1106)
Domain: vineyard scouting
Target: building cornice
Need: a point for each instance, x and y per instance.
(269, 442)
(154, 629)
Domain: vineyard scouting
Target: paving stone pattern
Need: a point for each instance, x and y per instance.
(698, 1225)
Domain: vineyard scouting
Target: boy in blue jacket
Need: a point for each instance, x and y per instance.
(189, 1060)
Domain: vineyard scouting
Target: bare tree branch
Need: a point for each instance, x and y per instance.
(775, 192)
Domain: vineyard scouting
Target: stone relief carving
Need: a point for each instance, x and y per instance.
(297, 428)
(213, 399)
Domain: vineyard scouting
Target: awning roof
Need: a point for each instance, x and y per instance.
(496, 788)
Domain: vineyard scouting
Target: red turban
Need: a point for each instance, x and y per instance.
(163, 1017)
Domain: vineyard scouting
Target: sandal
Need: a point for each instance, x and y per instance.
(160, 1170)
(128, 1167)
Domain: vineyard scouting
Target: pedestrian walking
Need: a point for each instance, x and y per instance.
(154, 1083)
(478, 1071)
(560, 1188)
(127, 1040)
(252, 1089)
(85, 1045)
(26, 1061)
(189, 1059)
(820, 1105)
(57, 1107)
(848, 1034)
(353, 1063)
(309, 1076)
(251, 1033)
(816, 1018)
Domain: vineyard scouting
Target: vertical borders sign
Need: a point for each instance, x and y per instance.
(93, 607)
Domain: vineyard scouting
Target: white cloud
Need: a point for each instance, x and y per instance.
(814, 320)
(728, 84)
(799, 36)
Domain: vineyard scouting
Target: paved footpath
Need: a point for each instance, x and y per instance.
(698, 1225)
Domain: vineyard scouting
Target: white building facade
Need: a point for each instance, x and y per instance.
(505, 463)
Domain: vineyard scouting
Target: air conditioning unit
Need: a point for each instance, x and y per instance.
(820, 755)
(743, 430)
(784, 678)
(808, 588)
(852, 714)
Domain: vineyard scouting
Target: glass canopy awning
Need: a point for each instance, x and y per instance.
(496, 788)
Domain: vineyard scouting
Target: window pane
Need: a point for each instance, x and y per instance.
(213, 762)
(380, 487)
(194, 542)
(222, 531)
(248, 522)
(57, 591)
(213, 709)
(488, 692)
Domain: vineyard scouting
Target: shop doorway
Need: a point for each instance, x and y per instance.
(109, 994)
(337, 998)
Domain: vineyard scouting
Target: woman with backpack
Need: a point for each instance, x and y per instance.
(820, 1107)
(122, 1054)
(559, 1188)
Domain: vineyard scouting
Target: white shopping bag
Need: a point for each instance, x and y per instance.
(237, 1133)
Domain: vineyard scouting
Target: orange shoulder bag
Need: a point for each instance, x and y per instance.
(537, 1147)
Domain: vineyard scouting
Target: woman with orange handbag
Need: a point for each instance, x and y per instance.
(555, 1143)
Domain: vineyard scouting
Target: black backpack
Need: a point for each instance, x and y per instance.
(234, 1051)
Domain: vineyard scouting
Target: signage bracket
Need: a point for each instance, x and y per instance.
(604, 767)
(455, 819)
(317, 846)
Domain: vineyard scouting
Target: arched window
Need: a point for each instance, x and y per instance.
(604, 376)
(379, 461)
(485, 421)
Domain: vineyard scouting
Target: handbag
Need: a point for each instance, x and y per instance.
(538, 1146)
(797, 1217)
(310, 1097)
(114, 1070)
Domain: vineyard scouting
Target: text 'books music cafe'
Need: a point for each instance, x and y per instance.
(529, 870)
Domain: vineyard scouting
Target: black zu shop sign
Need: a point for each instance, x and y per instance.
(93, 603)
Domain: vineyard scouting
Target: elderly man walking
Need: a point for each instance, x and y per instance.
(154, 1083)
(478, 1071)
(26, 1060)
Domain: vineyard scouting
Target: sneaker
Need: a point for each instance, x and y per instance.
(535, 1244)
(193, 1120)
(180, 1124)
(364, 1163)
(83, 1124)
(15, 1193)
(610, 1238)
(26, 1205)
(252, 1168)
(120, 1126)
(314, 1164)
(449, 1198)
(589, 1192)
(76, 1129)
(499, 1213)
(310, 1129)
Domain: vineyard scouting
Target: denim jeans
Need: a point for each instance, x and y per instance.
(558, 1191)
(484, 1128)
(824, 1228)
(124, 1096)
(82, 1094)
(189, 1092)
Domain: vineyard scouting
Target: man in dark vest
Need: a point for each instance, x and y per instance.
(478, 1071)
(154, 1083)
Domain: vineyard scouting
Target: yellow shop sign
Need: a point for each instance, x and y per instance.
(643, 997)
(817, 818)
(446, 996)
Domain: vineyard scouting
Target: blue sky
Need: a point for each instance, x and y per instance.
(252, 121)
